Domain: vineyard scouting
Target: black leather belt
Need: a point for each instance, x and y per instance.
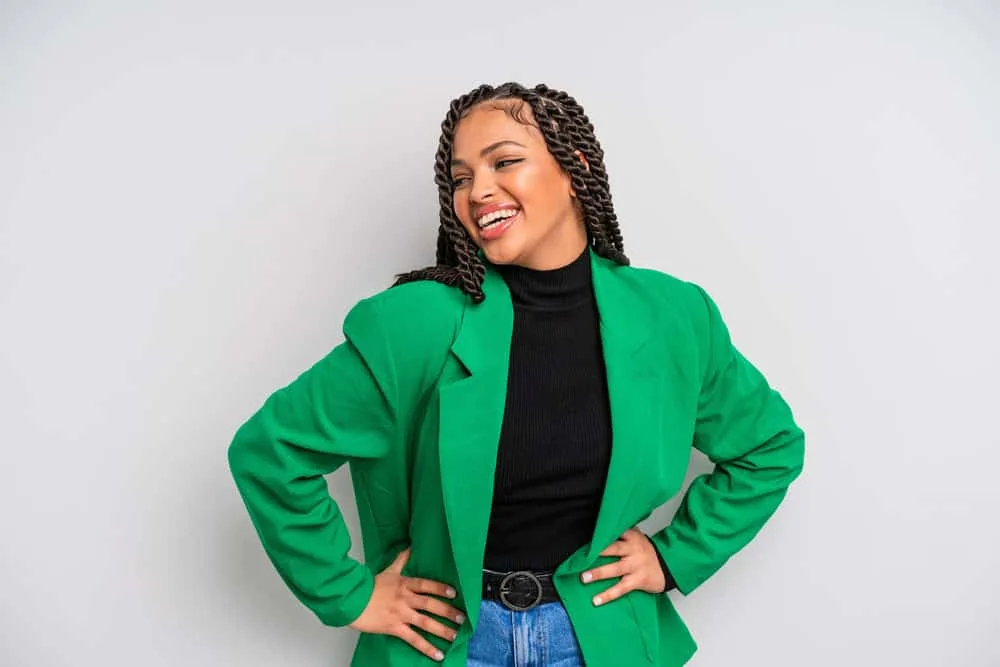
(519, 591)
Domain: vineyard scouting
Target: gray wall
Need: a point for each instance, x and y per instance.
(192, 195)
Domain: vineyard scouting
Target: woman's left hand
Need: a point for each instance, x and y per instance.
(637, 565)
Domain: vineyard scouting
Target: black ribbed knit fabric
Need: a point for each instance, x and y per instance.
(555, 442)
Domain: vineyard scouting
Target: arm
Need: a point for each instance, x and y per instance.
(339, 409)
(748, 432)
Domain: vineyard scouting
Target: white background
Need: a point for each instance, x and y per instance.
(192, 196)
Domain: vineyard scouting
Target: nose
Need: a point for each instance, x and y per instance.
(483, 188)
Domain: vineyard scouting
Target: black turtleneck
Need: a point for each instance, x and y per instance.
(555, 442)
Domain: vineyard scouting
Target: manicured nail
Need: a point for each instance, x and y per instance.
(450, 592)
(598, 601)
(439, 656)
(460, 619)
(587, 576)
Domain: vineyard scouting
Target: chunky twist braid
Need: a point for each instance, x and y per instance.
(567, 130)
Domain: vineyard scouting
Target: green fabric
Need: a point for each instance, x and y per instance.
(413, 400)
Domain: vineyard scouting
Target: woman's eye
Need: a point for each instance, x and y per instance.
(506, 163)
(457, 181)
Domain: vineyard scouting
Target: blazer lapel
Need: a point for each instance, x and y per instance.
(471, 417)
(635, 387)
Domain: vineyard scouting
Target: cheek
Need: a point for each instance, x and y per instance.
(527, 188)
(540, 189)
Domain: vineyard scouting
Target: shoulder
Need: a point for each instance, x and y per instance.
(683, 311)
(414, 319)
(664, 292)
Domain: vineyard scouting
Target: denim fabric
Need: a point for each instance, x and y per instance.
(539, 637)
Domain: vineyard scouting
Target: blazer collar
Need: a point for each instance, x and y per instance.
(483, 340)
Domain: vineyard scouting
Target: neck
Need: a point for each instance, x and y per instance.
(564, 286)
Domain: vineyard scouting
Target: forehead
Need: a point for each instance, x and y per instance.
(489, 123)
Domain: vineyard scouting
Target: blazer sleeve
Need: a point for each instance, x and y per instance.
(749, 433)
(339, 409)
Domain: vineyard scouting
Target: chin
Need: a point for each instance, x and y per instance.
(502, 253)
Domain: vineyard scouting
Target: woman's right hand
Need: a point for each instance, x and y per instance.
(397, 605)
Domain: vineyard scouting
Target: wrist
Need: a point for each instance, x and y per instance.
(669, 583)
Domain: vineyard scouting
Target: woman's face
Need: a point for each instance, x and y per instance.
(511, 195)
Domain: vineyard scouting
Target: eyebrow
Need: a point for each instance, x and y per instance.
(489, 149)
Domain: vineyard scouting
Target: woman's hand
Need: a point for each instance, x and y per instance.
(637, 565)
(397, 605)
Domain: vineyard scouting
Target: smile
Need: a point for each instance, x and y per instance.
(496, 217)
(493, 225)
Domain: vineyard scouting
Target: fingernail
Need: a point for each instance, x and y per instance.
(587, 576)
(598, 601)
(450, 592)
(439, 656)
(460, 619)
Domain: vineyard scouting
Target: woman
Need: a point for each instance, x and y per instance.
(509, 416)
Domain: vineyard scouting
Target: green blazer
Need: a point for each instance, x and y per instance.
(413, 400)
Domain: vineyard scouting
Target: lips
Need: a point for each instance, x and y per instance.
(498, 227)
(491, 213)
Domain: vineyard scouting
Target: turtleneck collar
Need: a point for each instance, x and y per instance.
(565, 287)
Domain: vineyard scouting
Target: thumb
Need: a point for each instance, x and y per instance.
(400, 562)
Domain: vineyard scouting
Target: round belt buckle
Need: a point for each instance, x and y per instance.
(520, 591)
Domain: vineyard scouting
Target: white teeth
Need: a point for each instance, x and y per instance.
(490, 218)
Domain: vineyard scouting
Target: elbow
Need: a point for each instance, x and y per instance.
(798, 447)
(240, 452)
(789, 463)
(778, 460)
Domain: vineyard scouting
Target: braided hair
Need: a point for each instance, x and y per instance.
(567, 130)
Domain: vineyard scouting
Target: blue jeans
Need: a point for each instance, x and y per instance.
(539, 637)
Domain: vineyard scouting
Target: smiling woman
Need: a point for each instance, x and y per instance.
(510, 415)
